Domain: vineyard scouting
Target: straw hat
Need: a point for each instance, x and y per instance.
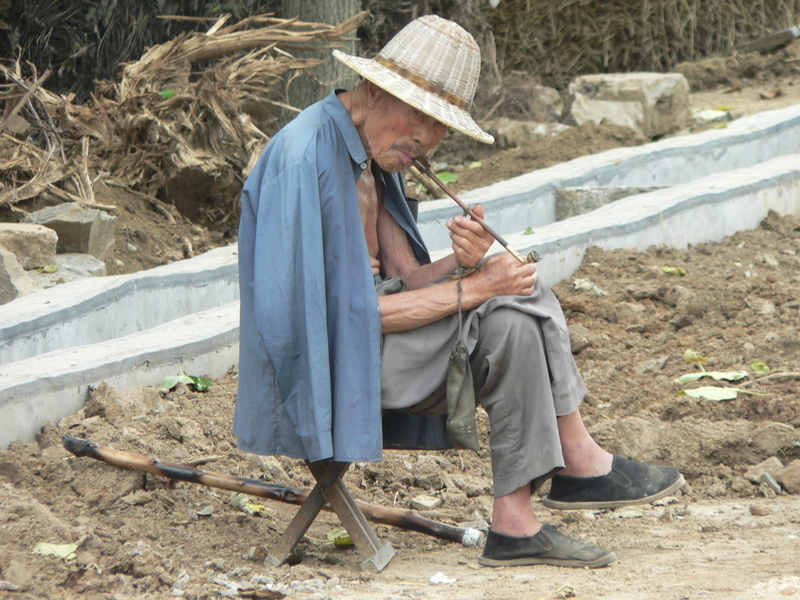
(431, 64)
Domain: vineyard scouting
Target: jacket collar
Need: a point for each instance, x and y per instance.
(334, 107)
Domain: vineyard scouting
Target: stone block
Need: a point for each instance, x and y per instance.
(80, 229)
(772, 466)
(33, 245)
(14, 281)
(425, 502)
(573, 201)
(652, 103)
(512, 133)
(789, 477)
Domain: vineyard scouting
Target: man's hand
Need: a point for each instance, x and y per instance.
(470, 240)
(504, 275)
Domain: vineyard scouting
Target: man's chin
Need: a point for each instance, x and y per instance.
(392, 166)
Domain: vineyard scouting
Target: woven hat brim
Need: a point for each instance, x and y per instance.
(415, 96)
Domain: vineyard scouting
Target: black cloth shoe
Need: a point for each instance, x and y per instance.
(548, 547)
(628, 483)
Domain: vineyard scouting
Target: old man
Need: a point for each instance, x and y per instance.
(345, 320)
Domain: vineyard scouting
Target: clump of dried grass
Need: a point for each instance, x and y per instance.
(166, 120)
(559, 39)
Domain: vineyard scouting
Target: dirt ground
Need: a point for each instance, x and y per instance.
(721, 537)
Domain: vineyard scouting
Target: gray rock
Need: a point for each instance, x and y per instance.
(653, 365)
(652, 103)
(33, 245)
(425, 502)
(579, 338)
(628, 312)
(771, 466)
(79, 229)
(769, 481)
(789, 477)
(772, 438)
(14, 281)
(511, 133)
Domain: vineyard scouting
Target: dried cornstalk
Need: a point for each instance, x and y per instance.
(150, 72)
(165, 118)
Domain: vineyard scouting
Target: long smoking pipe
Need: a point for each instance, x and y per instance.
(403, 519)
(424, 167)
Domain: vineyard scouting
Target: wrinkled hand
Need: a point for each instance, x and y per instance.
(504, 275)
(470, 240)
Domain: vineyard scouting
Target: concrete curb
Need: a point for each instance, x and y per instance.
(706, 210)
(89, 311)
(51, 386)
(136, 329)
(529, 200)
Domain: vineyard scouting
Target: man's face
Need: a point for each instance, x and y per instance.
(396, 133)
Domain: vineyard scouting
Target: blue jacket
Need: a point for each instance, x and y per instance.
(310, 336)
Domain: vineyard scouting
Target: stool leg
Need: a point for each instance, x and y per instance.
(328, 473)
(367, 542)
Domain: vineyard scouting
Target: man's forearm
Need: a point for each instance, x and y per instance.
(420, 307)
(425, 275)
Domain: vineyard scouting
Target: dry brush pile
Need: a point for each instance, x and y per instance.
(186, 121)
(557, 39)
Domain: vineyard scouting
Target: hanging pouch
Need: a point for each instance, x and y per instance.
(461, 400)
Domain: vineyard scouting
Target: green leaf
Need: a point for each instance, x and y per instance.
(674, 271)
(47, 269)
(475, 165)
(528, 231)
(171, 382)
(166, 94)
(65, 551)
(712, 393)
(760, 367)
(447, 177)
(717, 394)
(691, 356)
(201, 384)
(242, 503)
(340, 537)
(716, 375)
(586, 285)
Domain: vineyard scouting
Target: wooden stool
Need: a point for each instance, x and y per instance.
(330, 487)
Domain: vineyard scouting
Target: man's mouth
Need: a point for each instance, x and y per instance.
(408, 155)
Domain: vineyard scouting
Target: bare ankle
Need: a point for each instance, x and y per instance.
(596, 464)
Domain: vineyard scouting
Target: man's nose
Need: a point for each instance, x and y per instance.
(427, 134)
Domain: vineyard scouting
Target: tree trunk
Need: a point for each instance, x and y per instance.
(306, 88)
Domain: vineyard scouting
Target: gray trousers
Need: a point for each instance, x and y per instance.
(523, 371)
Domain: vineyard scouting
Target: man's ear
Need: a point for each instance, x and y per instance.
(373, 93)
